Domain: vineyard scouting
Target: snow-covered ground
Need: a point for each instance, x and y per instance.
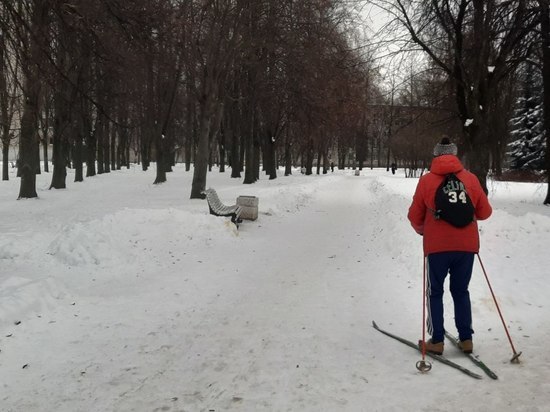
(120, 295)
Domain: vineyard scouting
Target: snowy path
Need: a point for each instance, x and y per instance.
(145, 303)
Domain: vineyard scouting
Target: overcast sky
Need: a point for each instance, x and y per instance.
(394, 67)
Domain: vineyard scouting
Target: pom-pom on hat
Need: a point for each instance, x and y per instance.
(445, 147)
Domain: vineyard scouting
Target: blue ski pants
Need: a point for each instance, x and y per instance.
(459, 266)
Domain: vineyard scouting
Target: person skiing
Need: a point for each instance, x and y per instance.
(448, 249)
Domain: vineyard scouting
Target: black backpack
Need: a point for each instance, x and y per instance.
(452, 203)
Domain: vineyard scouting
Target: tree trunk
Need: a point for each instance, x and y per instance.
(545, 26)
(203, 150)
(188, 152)
(222, 156)
(248, 131)
(78, 134)
(342, 154)
(257, 152)
(59, 163)
(476, 158)
(5, 160)
(160, 155)
(28, 141)
(113, 148)
(120, 147)
(62, 123)
(477, 153)
(99, 133)
(4, 104)
(45, 153)
(77, 159)
(232, 132)
(128, 155)
(124, 147)
(106, 147)
(90, 155)
(145, 150)
(190, 124)
(236, 165)
(269, 156)
(319, 158)
(91, 146)
(309, 157)
(288, 158)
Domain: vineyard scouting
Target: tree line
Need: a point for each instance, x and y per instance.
(252, 83)
(258, 84)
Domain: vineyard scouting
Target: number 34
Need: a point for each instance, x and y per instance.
(454, 197)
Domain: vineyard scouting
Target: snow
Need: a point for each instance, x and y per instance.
(468, 122)
(490, 69)
(131, 297)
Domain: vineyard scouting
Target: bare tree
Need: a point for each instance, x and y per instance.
(545, 46)
(233, 76)
(31, 22)
(9, 72)
(477, 44)
(216, 36)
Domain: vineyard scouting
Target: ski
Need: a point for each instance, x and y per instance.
(474, 358)
(440, 358)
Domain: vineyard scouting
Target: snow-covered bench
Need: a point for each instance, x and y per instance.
(217, 208)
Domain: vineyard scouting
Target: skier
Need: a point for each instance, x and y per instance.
(448, 249)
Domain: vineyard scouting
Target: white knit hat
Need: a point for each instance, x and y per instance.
(445, 147)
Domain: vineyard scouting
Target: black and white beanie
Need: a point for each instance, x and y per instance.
(445, 147)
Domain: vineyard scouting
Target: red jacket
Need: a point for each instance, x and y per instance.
(440, 236)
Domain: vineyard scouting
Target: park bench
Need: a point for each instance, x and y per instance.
(217, 208)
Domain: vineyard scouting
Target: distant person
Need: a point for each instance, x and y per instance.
(393, 168)
(332, 167)
(449, 249)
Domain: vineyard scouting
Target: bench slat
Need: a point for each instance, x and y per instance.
(217, 208)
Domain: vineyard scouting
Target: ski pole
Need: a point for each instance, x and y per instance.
(422, 365)
(515, 358)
